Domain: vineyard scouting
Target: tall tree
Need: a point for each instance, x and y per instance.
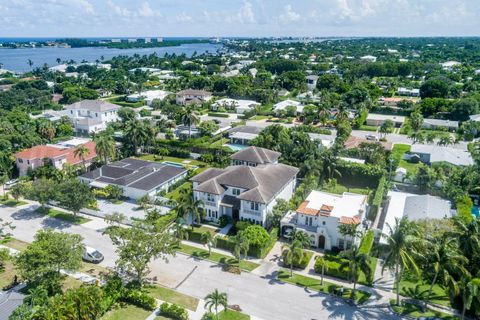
(74, 195)
(348, 230)
(356, 262)
(216, 299)
(138, 246)
(292, 252)
(190, 117)
(210, 240)
(82, 152)
(401, 250)
(105, 147)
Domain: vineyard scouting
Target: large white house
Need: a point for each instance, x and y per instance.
(90, 116)
(322, 213)
(148, 96)
(245, 192)
(283, 105)
(240, 106)
(191, 96)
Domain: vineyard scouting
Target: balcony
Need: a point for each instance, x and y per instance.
(252, 212)
(210, 203)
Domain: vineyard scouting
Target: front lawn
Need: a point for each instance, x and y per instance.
(232, 315)
(368, 128)
(6, 276)
(414, 311)
(216, 257)
(327, 287)
(54, 213)
(172, 296)
(439, 295)
(127, 312)
(12, 202)
(14, 244)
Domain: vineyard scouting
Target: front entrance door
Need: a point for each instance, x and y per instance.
(235, 214)
(321, 242)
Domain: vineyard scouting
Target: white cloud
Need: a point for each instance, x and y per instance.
(85, 6)
(183, 17)
(289, 15)
(246, 14)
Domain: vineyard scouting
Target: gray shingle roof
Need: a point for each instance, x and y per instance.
(135, 173)
(93, 105)
(444, 154)
(262, 182)
(9, 301)
(256, 155)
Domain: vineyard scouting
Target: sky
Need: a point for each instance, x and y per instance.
(238, 18)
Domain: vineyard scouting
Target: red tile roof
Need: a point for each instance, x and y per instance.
(355, 142)
(349, 220)
(308, 211)
(42, 152)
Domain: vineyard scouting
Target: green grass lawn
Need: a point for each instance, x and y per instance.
(127, 312)
(414, 311)
(439, 295)
(219, 143)
(368, 128)
(64, 216)
(172, 296)
(175, 194)
(340, 189)
(397, 153)
(215, 257)
(314, 284)
(232, 315)
(12, 202)
(14, 244)
(258, 117)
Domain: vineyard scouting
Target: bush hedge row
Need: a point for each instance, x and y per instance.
(173, 311)
(367, 242)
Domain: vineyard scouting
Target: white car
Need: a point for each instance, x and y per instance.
(92, 255)
(371, 137)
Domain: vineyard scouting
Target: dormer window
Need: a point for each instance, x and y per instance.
(236, 191)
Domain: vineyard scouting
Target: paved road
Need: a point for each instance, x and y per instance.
(257, 295)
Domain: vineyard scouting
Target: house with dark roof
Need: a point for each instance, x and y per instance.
(136, 177)
(191, 96)
(254, 156)
(320, 215)
(9, 301)
(242, 135)
(245, 192)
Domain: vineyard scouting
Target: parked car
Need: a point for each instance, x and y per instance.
(10, 183)
(371, 137)
(92, 255)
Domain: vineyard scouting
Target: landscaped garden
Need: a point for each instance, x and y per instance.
(127, 312)
(11, 202)
(326, 287)
(172, 296)
(416, 311)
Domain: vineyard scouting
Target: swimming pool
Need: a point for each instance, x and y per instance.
(235, 147)
(174, 164)
(476, 212)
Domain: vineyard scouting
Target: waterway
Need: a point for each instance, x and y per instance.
(17, 59)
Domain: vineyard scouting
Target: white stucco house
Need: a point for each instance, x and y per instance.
(282, 106)
(240, 106)
(148, 96)
(320, 215)
(245, 192)
(90, 116)
(135, 177)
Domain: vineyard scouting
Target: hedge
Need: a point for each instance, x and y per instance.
(333, 266)
(139, 299)
(218, 115)
(378, 197)
(302, 264)
(367, 242)
(173, 311)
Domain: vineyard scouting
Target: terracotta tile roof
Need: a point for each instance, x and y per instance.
(324, 207)
(45, 151)
(354, 142)
(349, 220)
(308, 211)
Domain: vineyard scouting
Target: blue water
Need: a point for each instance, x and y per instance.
(476, 212)
(174, 164)
(16, 59)
(236, 147)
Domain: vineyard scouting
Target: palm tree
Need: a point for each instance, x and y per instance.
(215, 300)
(445, 140)
(469, 291)
(302, 237)
(329, 165)
(242, 244)
(190, 117)
(400, 250)
(210, 240)
(81, 152)
(356, 261)
(292, 252)
(468, 236)
(446, 259)
(46, 129)
(324, 264)
(348, 230)
(136, 134)
(105, 147)
(179, 231)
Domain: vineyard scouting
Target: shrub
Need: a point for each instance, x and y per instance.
(139, 299)
(173, 311)
(209, 316)
(333, 262)
(303, 262)
(218, 115)
(257, 236)
(378, 197)
(224, 220)
(242, 225)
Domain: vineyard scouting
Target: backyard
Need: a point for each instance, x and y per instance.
(397, 153)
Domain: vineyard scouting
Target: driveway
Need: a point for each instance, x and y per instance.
(259, 295)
